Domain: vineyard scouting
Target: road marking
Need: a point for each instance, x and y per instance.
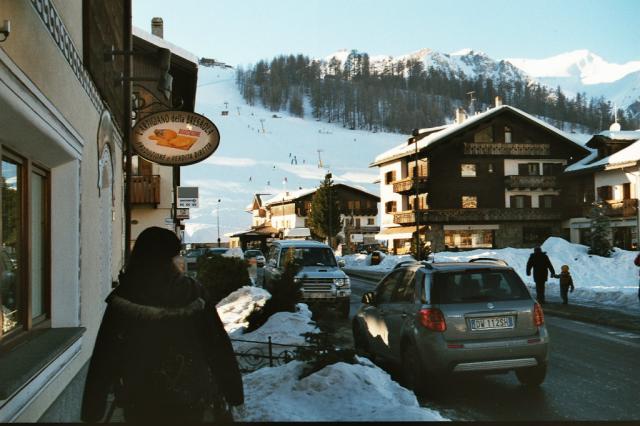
(625, 335)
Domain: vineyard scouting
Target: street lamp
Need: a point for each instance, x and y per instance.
(218, 219)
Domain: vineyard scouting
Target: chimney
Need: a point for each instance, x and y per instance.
(460, 115)
(498, 101)
(157, 27)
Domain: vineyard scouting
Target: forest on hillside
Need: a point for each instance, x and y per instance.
(404, 95)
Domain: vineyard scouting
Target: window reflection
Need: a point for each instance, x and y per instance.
(10, 295)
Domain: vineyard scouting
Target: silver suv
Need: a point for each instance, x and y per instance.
(435, 319)
(322, 279)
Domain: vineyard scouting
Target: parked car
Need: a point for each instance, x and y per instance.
(254, 256)
(323, 282)
(216, 251)
(436, 319)
(191, 261)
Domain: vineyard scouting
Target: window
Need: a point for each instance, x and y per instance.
(484, 136)
(350, 205)
(357, 222)
(529, 169)
(547, 201)
(422, 202)
(386, 288)
(356, 204)
(390, 206)
(24, 286)
(371, 221)
(535, 235)
(404, 291)
(468, 239)
(626, 191)
(469, 202)
(422, 168)
(604, 193)
(468, 170)
(520, 201)
(389, 177)
(507, 134)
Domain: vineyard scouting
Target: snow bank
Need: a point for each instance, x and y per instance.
(356, 261)
(236, 307)
(598, 280)
(338, 392)
(234, 252)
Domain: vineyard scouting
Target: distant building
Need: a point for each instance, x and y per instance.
(284, 215)
(489, 180)
(610, 175)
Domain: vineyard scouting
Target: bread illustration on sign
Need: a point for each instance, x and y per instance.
(170, 138)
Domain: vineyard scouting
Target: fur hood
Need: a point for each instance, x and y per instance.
(147, 312)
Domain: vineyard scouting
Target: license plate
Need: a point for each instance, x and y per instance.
(491, 323)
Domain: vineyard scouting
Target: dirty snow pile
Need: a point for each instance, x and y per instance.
(598, 280)
(338, 392)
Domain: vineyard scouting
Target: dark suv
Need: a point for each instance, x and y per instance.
(435, 319)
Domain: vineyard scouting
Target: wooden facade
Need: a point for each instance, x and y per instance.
(496, 181)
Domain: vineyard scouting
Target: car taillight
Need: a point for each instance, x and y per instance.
(432, 319)
(538, 315)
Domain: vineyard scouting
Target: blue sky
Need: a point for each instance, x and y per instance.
(243, 31)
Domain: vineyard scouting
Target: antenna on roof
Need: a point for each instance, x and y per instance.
(471, 99)
(615, 127)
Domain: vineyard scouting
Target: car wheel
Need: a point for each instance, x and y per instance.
(412, 371)
(360, 342)
(532, 376)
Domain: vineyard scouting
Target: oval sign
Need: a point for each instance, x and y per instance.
(175, 138)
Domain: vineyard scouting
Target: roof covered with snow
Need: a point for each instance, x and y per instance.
(160, 42)
(627, 156)
(294, 195)
(622, 135)
(405, 149)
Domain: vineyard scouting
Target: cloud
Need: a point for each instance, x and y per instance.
(357, 177)
(230, 161)
(216, 185)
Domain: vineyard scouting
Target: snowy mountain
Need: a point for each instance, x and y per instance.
(575, 72)
(584, 71)
(257, 152)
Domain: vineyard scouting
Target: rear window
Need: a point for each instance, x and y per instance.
(477, 286)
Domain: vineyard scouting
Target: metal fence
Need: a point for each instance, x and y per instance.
(272, 354)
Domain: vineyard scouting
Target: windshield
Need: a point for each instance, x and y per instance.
(477, 286)
(195, 253)
(309, 256)
(252, 253)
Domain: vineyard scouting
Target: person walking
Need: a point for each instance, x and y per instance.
(566, 283)
(541, 265)
(161, 348)
(637, 263)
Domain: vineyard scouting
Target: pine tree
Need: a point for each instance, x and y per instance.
(600, 244)
(324, 217)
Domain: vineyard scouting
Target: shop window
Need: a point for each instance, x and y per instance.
(469, 202)
(468, 170)
(535, 235)
(468, 239)
(24, 292)
(389, 177)
(484, 136)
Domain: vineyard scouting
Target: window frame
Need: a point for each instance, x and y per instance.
(470, 168)
(26, 169)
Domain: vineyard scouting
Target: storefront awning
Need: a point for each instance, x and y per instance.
(397, 233)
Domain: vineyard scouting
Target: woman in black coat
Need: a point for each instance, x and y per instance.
(161, 348)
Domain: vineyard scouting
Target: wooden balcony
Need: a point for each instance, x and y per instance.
(531, 182)
(478, 215)
(510, 149)
(408, 184)
(145, 189)
(613, 208)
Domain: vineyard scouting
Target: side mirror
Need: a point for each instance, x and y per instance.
(369, 298)
(341, 263)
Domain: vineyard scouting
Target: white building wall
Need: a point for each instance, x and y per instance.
(387, 194)
(511, 166)
(616, 179)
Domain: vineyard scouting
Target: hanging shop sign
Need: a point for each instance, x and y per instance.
(175, 138)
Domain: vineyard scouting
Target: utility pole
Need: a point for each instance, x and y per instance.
(416, 201)
(218, 220)
(328, 177)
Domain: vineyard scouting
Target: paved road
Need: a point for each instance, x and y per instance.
(594, 374)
